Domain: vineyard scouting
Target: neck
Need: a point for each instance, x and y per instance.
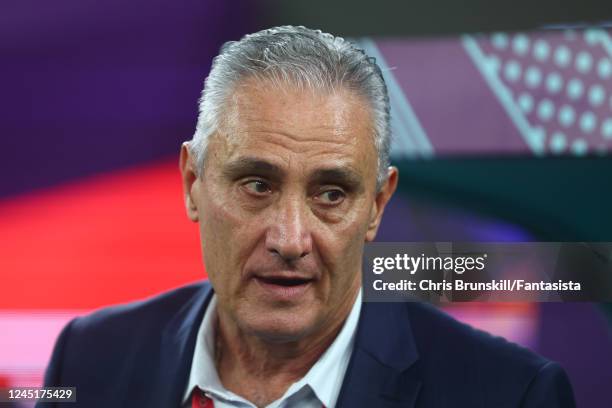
(262, 370)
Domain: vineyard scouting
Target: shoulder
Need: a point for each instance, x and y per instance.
(152, 312)
(436, 331)
(109, 354)
(118, 336)
(462, 360)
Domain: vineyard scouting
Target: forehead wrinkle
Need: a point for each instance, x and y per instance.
(242, 134)
(254, 122)
(251, 104)
(296, 138)
(262, 139)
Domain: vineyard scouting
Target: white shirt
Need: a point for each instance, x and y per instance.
(320, 386)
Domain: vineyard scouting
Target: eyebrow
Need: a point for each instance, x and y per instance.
(243, 166)
(338, 175)
(251, 165)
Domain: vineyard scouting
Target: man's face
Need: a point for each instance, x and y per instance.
(285, 202)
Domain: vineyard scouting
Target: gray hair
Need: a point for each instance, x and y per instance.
(300, 56)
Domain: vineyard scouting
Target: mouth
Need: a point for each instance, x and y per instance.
(284, 287)
(282, 281)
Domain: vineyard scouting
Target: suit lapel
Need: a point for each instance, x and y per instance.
(178, 343)
(379, 373)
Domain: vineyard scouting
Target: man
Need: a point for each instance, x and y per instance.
(288, 176)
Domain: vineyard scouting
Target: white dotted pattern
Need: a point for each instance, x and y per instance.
(561, 83)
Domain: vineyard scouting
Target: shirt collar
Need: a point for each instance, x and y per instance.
(324, 378)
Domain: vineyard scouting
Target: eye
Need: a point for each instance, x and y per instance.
(331, 197)
(257, 187)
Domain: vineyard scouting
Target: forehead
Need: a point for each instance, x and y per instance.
(288, 125)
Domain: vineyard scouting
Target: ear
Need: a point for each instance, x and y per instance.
(382, 198)
(189, 177)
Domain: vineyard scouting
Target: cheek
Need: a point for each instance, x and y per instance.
(226, 238)
(341, 246)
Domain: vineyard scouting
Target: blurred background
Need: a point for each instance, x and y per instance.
(502, 118)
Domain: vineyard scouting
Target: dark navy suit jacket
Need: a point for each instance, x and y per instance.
(405, 355)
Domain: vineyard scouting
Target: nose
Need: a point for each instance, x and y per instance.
(289, 235)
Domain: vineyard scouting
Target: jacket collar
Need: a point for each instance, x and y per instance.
(178, 343)
(379, 373)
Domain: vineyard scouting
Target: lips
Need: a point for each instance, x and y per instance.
(284, 280)
(283, 287)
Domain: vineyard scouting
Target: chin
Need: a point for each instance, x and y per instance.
(280, 326)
